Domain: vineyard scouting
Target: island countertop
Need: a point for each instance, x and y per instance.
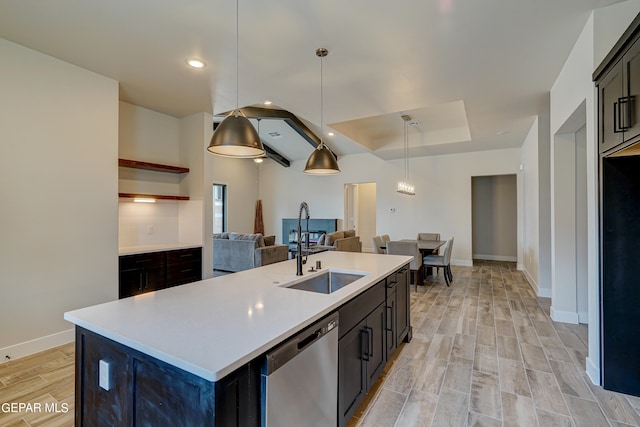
(212, 327)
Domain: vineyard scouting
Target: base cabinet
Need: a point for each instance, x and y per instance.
(143, 391)
(149, 272)
(371, 327)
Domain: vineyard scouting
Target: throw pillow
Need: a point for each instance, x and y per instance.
(334, 236)
(349, 233)
(269, 240)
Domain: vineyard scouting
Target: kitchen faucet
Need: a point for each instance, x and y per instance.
(299, 261)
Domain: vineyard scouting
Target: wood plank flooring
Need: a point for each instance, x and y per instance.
(484, 353)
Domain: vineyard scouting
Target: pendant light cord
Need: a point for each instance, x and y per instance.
(237, 54)
(321, 104)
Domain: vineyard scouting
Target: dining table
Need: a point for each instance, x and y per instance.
(426, 247)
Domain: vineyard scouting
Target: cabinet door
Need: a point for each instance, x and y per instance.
(376, 333)
(631, 109)
(403, 305)
(391, 343)
(352, 386)
(96, 406)
(609, 109)
(131, 282)
(166, 396)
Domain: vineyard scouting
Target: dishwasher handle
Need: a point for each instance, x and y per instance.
(306, 342)
(295, 345)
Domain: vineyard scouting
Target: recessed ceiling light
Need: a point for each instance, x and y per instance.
(267, 102)
(502, 132)
(331, 134)
(195, 63)
(258, 160)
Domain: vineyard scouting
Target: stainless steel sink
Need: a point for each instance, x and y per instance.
(327, 282)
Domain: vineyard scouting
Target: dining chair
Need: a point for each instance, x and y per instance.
(443, 261)
(385, 238)
(377, 243)
(431, 236)
(428, 236)
(411, 249)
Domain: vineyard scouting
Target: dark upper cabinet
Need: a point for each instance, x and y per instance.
(618, 81)
(631, 85)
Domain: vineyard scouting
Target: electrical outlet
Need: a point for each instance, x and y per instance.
(150, 229)
(104, 379)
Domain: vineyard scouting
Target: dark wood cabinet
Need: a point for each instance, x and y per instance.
(371, 326)
(152, 271)
(618, 82)
(184, 266)
(398, 310)
(403, 310)
(141, 273)
(144, 391)
(361, 359)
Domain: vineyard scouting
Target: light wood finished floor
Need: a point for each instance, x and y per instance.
(484, 353)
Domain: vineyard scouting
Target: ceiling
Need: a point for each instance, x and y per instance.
(474, 74)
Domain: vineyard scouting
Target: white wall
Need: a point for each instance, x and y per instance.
(367, 214)
(531, 201)
(58, 184)
(572, 88)
(442, 202)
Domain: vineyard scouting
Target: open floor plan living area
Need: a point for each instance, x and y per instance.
(235, 213)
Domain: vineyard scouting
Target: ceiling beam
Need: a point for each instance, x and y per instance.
(269, 152)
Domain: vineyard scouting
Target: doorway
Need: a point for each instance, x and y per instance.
(494, 224)
(360, 211)
(569, 263)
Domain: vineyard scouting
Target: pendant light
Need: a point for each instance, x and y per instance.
(405, 187)
(321, 161)
(235, 136)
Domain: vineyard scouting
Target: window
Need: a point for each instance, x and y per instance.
(219, 208)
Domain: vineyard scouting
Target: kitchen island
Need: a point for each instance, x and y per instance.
(192, 354)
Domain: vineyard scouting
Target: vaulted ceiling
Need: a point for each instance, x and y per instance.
(473, 74)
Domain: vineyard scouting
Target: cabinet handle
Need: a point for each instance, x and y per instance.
(389, 326)
(391, 285)
(616, 117)
(146, 280)
(370, 333)
(365, 354)
(186, 271)
(140, 281)
(625, 119)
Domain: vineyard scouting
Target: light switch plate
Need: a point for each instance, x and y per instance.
(104, 381)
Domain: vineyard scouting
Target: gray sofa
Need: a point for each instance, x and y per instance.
(236, 251)
(345, 241)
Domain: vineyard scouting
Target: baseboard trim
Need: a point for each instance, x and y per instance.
(564, 316)
(462, 262)
(583, 317)
(593, 372)
(36, 345)
(544, 292)
(495, 257)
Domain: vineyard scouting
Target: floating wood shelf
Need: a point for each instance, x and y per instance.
(151, 196)
(134, 164)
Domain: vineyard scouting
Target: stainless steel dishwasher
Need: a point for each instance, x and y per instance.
(300, 378)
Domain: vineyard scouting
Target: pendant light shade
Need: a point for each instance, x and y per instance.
(321, 161)
(235, 136)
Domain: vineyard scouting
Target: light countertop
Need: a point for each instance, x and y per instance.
(143, 249)
(212, 327)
